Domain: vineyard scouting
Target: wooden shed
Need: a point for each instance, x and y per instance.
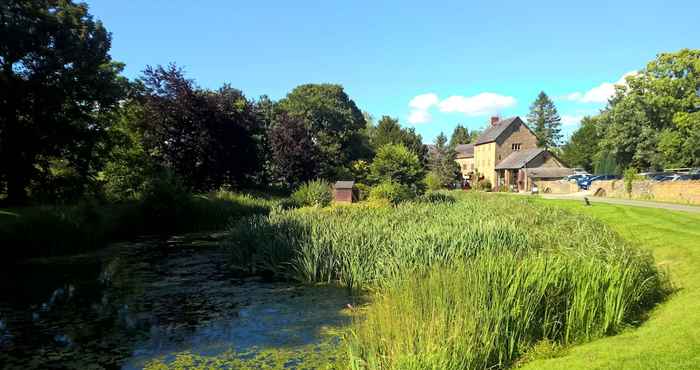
(344, 192)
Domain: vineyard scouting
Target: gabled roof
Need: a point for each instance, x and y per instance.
(465, 150)
(549, 172)
(344, 184)
(494, 131)
(519, 159)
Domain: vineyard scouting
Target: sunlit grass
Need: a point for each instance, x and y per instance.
(472, 284)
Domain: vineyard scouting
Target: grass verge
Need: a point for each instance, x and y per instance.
(670, 338)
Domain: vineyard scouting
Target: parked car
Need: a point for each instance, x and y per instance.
(585, 183)
(575, 177)
(677, 177)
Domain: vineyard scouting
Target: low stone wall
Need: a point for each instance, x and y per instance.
(686, 192)
(556, 187)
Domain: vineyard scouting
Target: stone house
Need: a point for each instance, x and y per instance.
(507, 150)
(465, 159)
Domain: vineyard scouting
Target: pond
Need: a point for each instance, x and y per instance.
(155, 301)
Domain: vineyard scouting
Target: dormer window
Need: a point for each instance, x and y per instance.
(515, 147)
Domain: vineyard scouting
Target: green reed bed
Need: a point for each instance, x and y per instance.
(469, 284)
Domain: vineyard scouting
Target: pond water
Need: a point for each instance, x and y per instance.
(131, 304)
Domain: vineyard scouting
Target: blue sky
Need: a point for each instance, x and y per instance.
(431, 64)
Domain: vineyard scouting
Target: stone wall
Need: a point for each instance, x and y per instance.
(556, 187)
(686, 192)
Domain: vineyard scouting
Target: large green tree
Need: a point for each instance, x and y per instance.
(388, 131)
(460, 135)
(581, 149)
(333, 121)
(544, 121)
(394, 162)
(442, 163)
(58, 86)
(652, 121)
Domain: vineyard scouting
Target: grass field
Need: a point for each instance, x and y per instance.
(670, 338)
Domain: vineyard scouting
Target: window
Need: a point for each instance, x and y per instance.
(515, 146)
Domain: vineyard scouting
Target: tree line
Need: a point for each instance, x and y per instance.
(651, 123)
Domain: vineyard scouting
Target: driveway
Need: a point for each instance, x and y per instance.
(626, 202)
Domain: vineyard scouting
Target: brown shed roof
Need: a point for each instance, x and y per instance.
(344, 184)
(465, 150)
(519, 159)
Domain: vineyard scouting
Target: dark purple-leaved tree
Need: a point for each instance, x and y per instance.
(205, 137)
(294, 155)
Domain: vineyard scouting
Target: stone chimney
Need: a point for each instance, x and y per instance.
(494, 120)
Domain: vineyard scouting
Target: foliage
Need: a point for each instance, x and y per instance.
(437, 197)
(483, 185)
(360, 171)
(294, 155)
(460, 135)
(57, 87)
(662, 340)
(582, 147)
(388, 131)
(316, 193)
(545, 121)
(43, 231)
(652, 122)
(605, 164)
(396, 163)
(435, 267)
(630, 175)
(205, 137)
(363, 191)
(443, 163)
(433, 181)
(332, 121)
(392, 191)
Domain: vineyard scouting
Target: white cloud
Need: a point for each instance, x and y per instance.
(567, 120)
(477, 105)
(419, 116)
(599, 94)
(424, 101)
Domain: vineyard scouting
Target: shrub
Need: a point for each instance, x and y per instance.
(316, 193)
(394, 192)
(483, 185)
(362, 191)
(436, 197)
(432, 181)
(630, 175)
(394, 162)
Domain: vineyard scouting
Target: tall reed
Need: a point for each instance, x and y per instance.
(470, 284)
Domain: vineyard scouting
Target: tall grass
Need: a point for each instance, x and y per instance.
(470, 284)
(41, 231)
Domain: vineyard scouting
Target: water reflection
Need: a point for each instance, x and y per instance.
(137, 301)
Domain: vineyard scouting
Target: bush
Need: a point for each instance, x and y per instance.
(483, 185)
(432, 181)
(436, 197)
(630, 175)
(394, 162)
(316, 193)
(362, 191)
(394, 192)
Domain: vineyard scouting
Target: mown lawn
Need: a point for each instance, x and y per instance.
(670, 338)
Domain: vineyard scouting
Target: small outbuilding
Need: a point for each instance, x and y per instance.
(344, 192)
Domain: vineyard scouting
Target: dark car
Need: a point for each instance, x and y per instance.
(585, 183)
